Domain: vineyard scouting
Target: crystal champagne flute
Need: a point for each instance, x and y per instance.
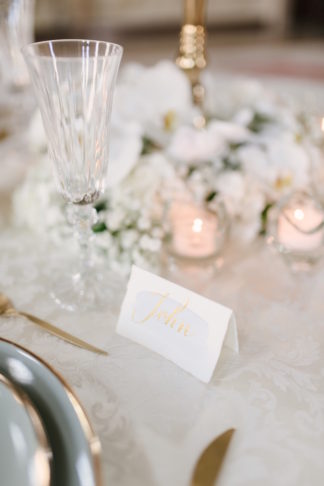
(74, 83)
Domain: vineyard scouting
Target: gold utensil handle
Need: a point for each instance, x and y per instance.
(211, 459)
(63, 334)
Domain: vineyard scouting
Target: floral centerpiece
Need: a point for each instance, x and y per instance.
(253, 150)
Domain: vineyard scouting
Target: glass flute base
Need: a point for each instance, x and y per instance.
(95, 291)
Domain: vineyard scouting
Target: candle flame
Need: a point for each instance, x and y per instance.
(322, 124)
(299, 214)
(197, 225)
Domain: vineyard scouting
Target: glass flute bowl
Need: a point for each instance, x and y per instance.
(74, 82)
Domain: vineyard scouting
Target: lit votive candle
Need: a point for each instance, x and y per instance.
(300, 226)
(195, 231)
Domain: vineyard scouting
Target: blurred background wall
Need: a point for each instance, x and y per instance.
(254, 37)
(132, 14)
(276, 17)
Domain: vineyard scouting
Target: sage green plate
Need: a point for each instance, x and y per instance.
(24, 452)
(74, 445)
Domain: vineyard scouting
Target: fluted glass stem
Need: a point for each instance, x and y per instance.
(82, 218)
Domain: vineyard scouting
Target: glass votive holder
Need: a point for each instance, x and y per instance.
(296, 229)
(195, 232)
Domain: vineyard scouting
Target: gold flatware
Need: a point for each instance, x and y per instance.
(7, 309)
(210, 462)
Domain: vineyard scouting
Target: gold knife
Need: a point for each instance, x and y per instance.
(210, 462)
(63, 334)
(7, 308)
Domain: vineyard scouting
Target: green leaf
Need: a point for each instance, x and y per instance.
(210, 196)
(264, 218)
(258, 121)
(231, 164)
(191, 170)
(99, 227)
(101, 206)
(148, 146)
(235, 146)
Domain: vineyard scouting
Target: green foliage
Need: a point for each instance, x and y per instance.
(101, 206)
(148, 146)
(264, 218)
(231, 164)
(258, 122)
(99, 227)
(211, 196)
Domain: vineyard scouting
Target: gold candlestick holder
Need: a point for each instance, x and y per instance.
(192, 58)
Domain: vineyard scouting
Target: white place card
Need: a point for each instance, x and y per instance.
(177, 323)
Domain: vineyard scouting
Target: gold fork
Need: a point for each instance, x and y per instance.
(7, 309)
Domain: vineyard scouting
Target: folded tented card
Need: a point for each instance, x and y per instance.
(177, 323)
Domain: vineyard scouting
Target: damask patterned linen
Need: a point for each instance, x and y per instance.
(154, 419)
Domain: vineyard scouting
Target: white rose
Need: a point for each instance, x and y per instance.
(149, 95)
(190, 145)
(241, 195)
(228, 132)
(125, 149)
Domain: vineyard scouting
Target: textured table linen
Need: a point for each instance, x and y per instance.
(154, 419)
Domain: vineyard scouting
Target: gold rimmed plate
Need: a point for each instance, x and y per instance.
(75, 447)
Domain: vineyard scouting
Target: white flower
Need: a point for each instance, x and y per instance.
(316, 156)
(149, 244)
(190, 145)
(247, 230)
(231, 186)
(253, 159)
(193, 146)
(143, 183)
(241, 195)
(243, 200)
(243, 117)
(128, 238)
(229, 132)
(125, 149)
(37, 203)
(186, 163)
(157, 233)
(36, 134)
(103, 240)
(149, 95)
(225, 97)
(279, 163)
(143, 223)
(115, 218)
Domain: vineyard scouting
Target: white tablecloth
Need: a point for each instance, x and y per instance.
(154, 419)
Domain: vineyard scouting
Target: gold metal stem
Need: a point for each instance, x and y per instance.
(192, 58)
(194, 12)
